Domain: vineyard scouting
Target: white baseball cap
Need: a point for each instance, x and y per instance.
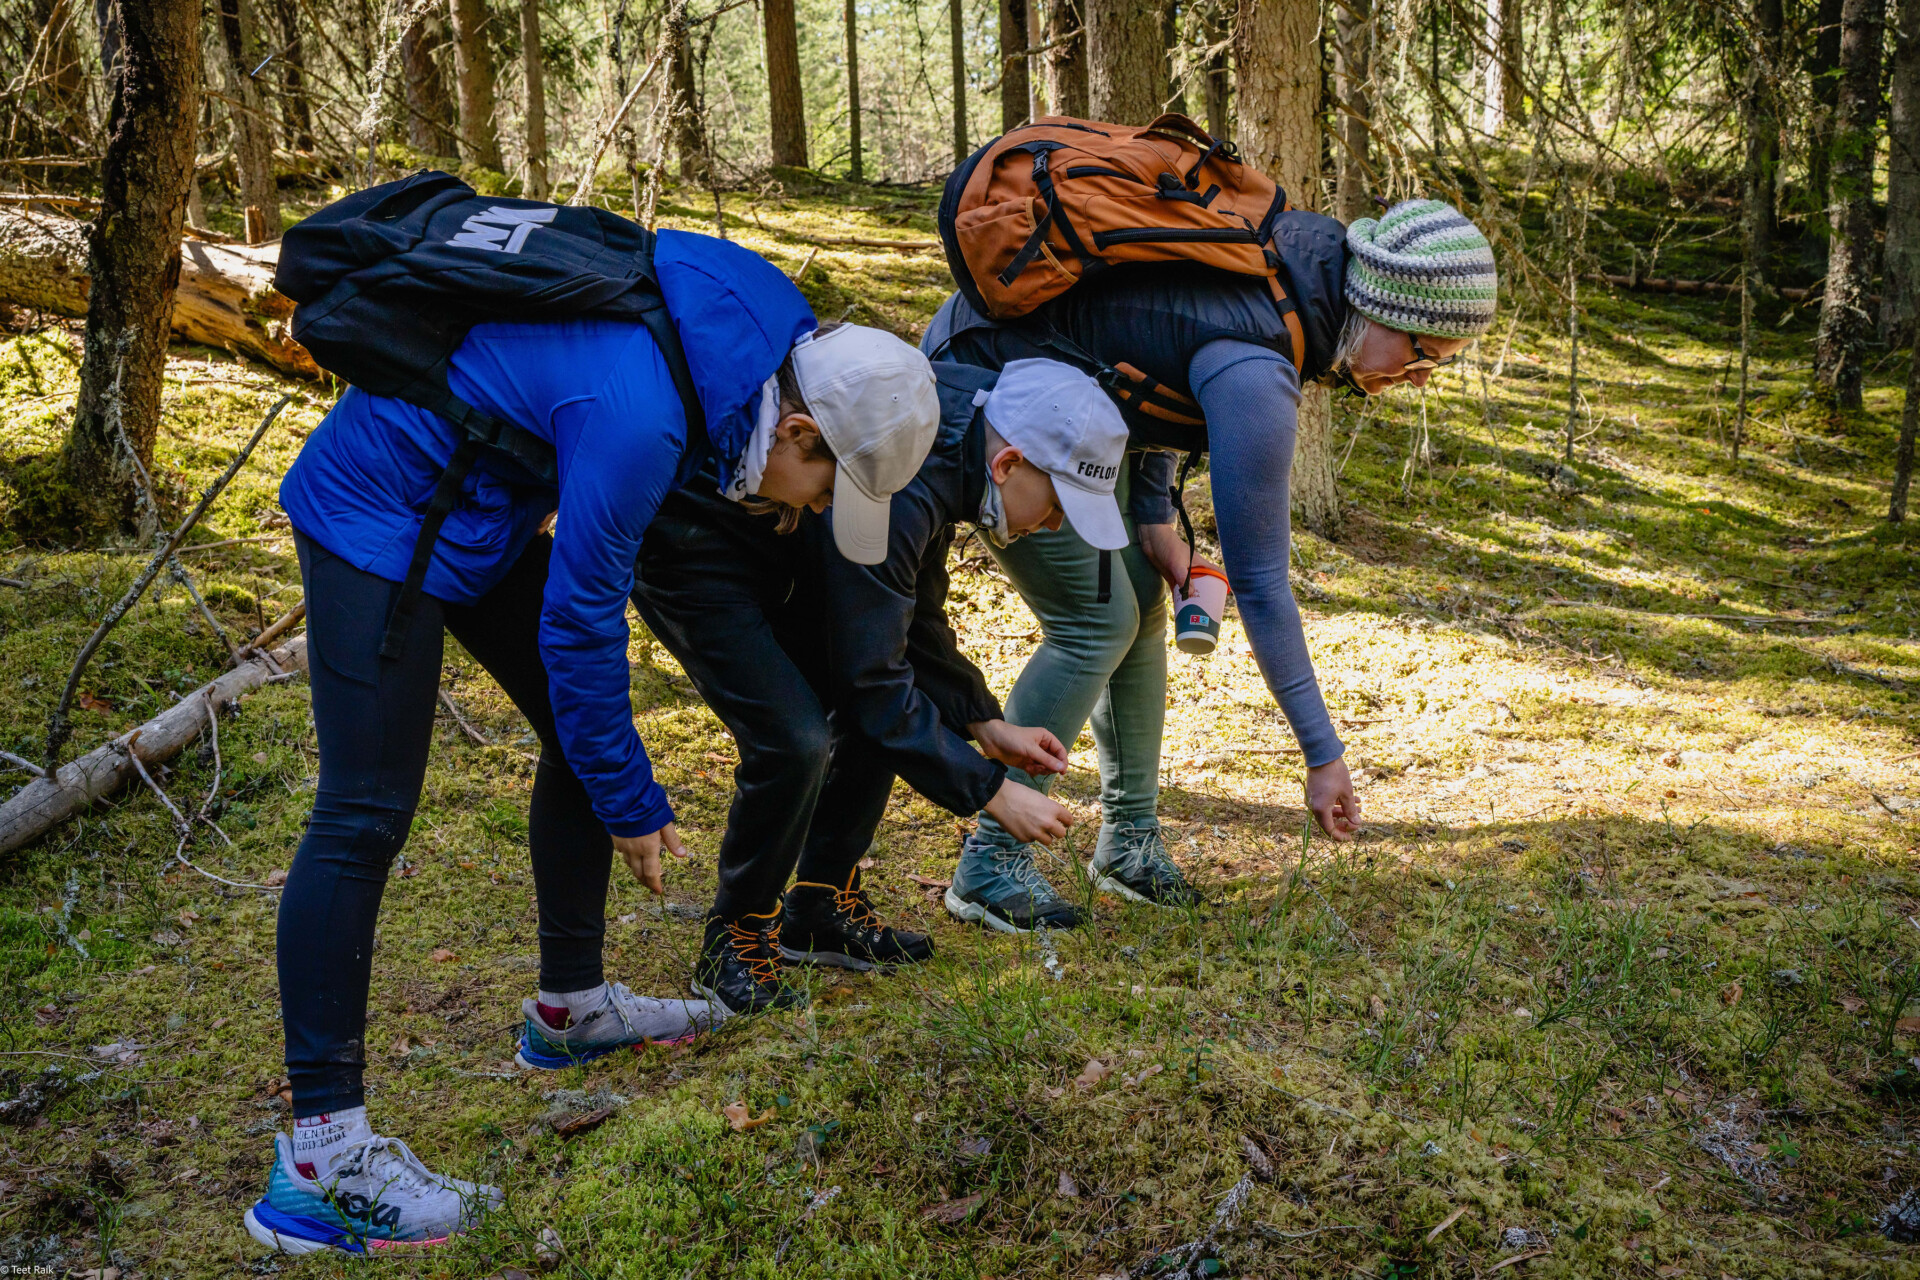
(1064, 424)
(878, 408)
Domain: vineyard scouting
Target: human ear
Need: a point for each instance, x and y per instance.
(1004, 463)
(797, 430)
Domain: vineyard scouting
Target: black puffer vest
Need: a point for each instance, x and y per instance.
(1156, 316)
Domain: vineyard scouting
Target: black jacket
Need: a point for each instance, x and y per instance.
(896, 671)
(1156, 316)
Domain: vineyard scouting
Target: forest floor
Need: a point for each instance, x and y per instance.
(1617, 981)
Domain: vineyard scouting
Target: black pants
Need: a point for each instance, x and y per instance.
(374, 719)
(729, 599)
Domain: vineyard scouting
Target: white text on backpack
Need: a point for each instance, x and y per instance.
(503, 230)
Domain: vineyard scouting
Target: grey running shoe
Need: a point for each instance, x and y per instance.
(622, 1020)
(1132, 860)
(1001, 888)
(377, 1196)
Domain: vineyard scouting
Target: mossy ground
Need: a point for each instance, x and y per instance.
(1618, 971)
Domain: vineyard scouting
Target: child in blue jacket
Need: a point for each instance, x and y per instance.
(545, 615)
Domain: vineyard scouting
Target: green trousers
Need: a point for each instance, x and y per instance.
(1107, 661)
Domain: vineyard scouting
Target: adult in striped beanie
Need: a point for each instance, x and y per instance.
(1420, 285)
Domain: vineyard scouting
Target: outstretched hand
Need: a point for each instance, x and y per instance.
(1331, 797)
(1033, 749)
(642, 854)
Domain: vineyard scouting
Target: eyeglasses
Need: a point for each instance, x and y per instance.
(1421, 360)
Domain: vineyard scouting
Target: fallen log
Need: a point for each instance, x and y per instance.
(1702, 288)
(48, 801)
(226, 297)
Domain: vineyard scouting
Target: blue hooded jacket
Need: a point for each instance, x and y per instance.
(598, 391)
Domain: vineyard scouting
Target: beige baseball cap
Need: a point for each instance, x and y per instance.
(878, 408)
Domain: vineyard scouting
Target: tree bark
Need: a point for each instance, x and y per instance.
(1015, 94)
(687, 127)
(1761, 124)
(225, 297)
(1823, 72)
(957, 28)
(1900, 272)
(473, 82)
(1353, 109)
(1840, 349)
(786, 106)
(430, 121)
(1066, 62)
(1173, 95)
(1513, 57)
(252, 134)
(856, 167)
(106, 19)
(1125, 60)
(1219, 76)
(133, 254)
(296, 110)
(533, 59)
(1909, 427)
(1278, 58)
(1493, 82)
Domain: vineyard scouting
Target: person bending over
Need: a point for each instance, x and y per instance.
(1020, 453)
(742, 608)
(1381, 303)
(545, 615)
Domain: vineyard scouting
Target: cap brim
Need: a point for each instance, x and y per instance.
(859, 521)
(1095, 516)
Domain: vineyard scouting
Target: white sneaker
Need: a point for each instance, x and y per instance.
(378, 1195)
(622, 1020)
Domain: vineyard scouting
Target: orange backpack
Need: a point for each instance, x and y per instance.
(1042, 206)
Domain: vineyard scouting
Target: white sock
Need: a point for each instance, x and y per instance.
(319, 1140)
(576, 1003)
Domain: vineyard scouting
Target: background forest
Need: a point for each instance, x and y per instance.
(1617, 619)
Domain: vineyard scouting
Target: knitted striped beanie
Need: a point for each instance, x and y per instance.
(1423, 268)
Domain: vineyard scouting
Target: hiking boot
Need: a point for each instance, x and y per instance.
(839, 927)
(739, 965)
(1001, 888)
(622, 1020)
(1132, 860)
(376, 1195)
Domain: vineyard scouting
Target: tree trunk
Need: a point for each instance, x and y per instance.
(1761, 125)
(1173, 96)
(1909, 427)
(296, 110)
(1900, 273)
(430, 121)
(55, 86)
(1353, 108)
(1015, 95)
(1840, 349)
(686, 128)
(133, 255)
(1493, 81)
(225, 296)
(1219, 77)
(252, 135)
(106, 19)
(1278, 58)
(1066, 62)
(473, 82)
(957, 27)
(786, 106)
(856, 169)
(1125, 60)
(534, 59)
(1513, 57)
(1823, 72)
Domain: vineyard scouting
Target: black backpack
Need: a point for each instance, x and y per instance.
(388, 281)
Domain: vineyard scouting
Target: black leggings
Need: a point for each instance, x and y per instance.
(374, 719)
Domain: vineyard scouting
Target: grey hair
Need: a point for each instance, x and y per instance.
(1352, 333)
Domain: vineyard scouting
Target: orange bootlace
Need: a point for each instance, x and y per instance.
(853, 904)
(748, 945)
